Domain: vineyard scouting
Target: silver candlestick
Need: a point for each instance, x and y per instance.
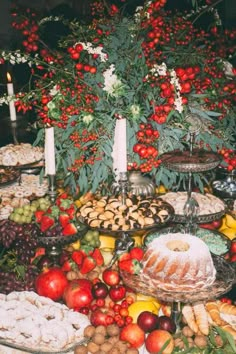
(52, 188)
(123, 183)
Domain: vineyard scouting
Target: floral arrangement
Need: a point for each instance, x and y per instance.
(166, 76)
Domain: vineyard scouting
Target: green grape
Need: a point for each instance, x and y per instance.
(19, 210)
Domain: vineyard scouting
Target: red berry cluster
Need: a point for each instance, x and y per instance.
(147, 137)
(75, 53)
(29, 29)
(229, 158)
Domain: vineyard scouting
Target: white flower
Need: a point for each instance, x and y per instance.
(112, 85)
(159, 69)
(178, 104)
(51, 105)
(97, 50)
(54, 91)
(88, 118)
(228, 68)
(178, 99)
(135, 110)
(174, 80)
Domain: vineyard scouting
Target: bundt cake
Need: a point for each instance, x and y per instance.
(178, 262)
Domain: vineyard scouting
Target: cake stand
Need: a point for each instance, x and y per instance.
(225, 279)
(192, 161)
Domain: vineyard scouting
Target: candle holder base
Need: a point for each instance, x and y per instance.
(52, 192)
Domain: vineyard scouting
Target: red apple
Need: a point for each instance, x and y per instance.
(157, 339)
(233, 258)
(214, 225)
(117, 292)
(101, 316)
(99, 290)
(232, 249)
(166, 323)
(111, 277)
(132, 334)
(148, 321)
(78, 294)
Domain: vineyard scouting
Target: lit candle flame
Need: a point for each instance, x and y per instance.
(8, 77)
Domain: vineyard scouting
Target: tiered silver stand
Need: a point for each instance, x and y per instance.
(225, 273)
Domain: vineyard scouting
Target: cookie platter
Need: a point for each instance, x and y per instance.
(36, 324)
(210, 207)
(109, 213)
(21, 155)
(18, 194)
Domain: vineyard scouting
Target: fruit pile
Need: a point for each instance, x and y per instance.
(25, 213)
(58, 219)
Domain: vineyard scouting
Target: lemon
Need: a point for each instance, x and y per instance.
(107, 241)
(78, 203)
(223, 226)
(229, 232)
(139, 306)
(75, 245)
(230, 221)
(161, 189)
(137, 240)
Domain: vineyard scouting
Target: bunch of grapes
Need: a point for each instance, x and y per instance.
(25, 213)
(25, 248)
(11, 281)
(8, 232)
(11, 232)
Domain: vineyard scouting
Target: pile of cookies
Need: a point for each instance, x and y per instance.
(17, 195)
(21, 154)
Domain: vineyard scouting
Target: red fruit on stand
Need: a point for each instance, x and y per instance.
(77, 294)
(132, 334)
(166, 323)
(51, 283)
(117, 292)
(148, 321)
(131, 266)
(99, 290)
(233, 258)
(101, 316)
(111, 276)
(232, 249)
(159, 341)
(69, 230)
(214, 225)
(69, 265)
(64, 219)
(38, 215)
(77, 257)
(88, 264)
(97, 255)
(46, 222)
(136, 253)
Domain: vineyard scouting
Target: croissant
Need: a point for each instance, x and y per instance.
(201, 317)
(226, 308)
(214, 313)
(228, 328)
(188, 313)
